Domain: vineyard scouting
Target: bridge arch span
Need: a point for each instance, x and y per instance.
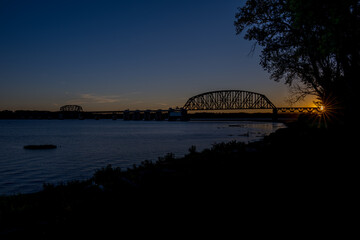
(71, 108)
(228, 100)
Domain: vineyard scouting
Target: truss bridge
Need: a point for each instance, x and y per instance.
(228, 100)
(237, 100)
(215, 100)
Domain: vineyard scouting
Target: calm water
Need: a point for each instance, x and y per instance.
(84, 146)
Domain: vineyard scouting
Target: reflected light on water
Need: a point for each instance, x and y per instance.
(85, 146)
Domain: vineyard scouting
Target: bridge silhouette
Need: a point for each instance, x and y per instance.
(228, 100)
(237, 100)
(208, 101)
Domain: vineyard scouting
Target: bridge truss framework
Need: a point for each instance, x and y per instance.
(215, 100)
(237, 100)
(228, 100)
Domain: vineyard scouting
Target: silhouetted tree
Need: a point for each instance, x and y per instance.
(313, 45)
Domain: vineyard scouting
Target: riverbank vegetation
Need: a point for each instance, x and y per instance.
(313, 46)
(296, 170)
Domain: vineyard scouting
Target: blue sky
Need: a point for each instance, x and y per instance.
(114, 55)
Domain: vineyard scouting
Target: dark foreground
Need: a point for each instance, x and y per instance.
(296, 181)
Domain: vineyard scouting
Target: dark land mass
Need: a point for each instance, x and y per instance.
(297, 180)
(22, 114)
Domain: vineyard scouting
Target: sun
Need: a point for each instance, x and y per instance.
(328, 111)
(320, 106)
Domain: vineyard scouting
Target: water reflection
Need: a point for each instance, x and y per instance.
(84, 146)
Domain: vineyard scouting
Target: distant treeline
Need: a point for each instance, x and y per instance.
(28, 114)
(24, 114)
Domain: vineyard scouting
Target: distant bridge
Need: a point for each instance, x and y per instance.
(71, 108)
(237, 100)
(215, 100)
(228, 100)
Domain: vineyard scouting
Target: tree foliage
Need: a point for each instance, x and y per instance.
(314, 43)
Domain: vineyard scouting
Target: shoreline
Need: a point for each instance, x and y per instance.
(181, 135)
(290, 161)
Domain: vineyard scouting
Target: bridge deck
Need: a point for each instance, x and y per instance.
(209, 101)
(279, 109)
(298, 109)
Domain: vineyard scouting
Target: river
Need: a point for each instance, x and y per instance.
(87, 145)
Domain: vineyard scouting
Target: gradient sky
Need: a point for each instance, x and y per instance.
(115, 55)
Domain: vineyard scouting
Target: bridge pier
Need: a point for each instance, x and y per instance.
(159, 116)
(126, 115)
(137, 115)
(275, 114)
(80, 116)
(184, 115)
(147, 115)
